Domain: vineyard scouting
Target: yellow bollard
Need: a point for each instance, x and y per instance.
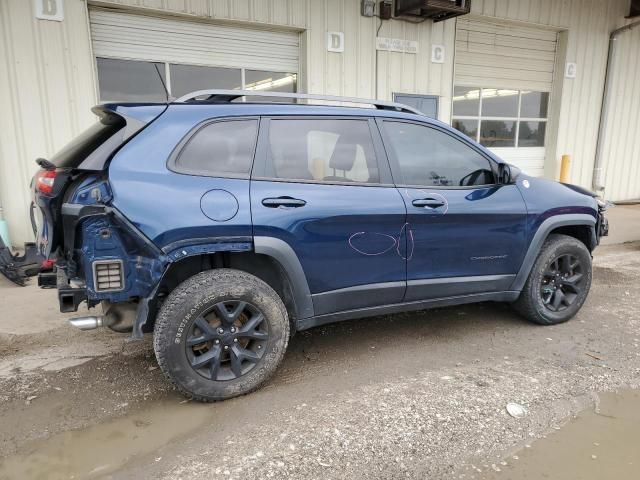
(565, 167)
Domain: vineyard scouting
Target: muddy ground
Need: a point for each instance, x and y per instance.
(418, 395)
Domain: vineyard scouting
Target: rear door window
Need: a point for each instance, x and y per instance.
(223, 148)
(331, 151)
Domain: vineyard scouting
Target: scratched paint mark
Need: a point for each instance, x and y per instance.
(372, 244)
(410, 242)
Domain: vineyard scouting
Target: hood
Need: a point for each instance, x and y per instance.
(579, 189)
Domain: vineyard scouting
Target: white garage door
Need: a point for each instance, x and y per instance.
(189, 55)
(503, 79)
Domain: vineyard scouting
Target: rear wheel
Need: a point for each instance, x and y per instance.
(558, 283)
(220, 334)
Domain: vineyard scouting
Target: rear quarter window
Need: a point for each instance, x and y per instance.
(78, 149)
(222, 148)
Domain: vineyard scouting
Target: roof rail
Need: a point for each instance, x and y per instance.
(227, 96)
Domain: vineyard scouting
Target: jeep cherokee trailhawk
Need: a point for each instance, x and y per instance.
(224, 226)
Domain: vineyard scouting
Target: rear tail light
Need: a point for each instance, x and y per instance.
(45, 180)
(47, 264)
(108, 275)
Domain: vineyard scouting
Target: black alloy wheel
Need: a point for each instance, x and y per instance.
(227, 341)
(558, 282)
(562, 282)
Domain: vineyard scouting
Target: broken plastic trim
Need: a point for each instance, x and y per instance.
(18, 268)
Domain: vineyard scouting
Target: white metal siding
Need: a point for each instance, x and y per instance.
(586, 25)
(291, 13)
(492, 54)
(144, 37)
(363, 72)
(621, 152)
(46, 92)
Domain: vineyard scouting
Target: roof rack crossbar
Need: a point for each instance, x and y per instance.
(227, 96)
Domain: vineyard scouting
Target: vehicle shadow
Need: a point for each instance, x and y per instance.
(406, 342)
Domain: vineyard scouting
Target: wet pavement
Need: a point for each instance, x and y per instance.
(599, 443)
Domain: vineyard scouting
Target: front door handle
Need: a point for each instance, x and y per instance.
(428, 203)
(287, 202)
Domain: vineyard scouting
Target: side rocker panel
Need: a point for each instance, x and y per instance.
(541, 235)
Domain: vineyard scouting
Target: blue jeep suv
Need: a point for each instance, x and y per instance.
(224, 226)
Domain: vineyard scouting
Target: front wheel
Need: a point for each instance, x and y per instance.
(558, 283)
(220, 334)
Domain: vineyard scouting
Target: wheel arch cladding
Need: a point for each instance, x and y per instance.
(284, 255)
(584, 233)
(272, 260)
(555, 224)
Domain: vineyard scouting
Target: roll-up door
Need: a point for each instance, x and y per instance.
(190, 54)
(503, 80)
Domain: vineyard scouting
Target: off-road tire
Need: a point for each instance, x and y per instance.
(530, 304)
(194, 296)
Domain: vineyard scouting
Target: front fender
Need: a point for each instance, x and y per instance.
(541, 235)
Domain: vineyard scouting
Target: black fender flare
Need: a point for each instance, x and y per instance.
(275, 248)
(541, 235)
(281, 252)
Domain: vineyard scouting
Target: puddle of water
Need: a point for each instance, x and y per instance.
(103, 448)
(593, 446)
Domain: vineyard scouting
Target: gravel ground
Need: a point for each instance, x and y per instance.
(418, 395)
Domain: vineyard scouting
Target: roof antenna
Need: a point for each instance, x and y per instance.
(166, 91)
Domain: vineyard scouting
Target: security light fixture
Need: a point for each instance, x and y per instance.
(368, 8)
(385, 9)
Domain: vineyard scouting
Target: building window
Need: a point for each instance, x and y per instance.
(427, 104)
(130, 81)
(137, 81)
(189, 78)
(498, 117)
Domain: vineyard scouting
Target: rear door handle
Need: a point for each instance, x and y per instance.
(288, 202)
(428, 203)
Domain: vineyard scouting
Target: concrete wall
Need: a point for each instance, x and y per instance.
(48, 83)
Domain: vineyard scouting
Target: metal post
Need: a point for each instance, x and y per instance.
(565, 168)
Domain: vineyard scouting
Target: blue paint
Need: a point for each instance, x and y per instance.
(142, 267)
(475, 222)
(170, 207)
(319, 232)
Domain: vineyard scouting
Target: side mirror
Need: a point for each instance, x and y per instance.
(504, 174)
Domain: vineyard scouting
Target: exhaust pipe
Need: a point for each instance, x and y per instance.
(86, 323)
